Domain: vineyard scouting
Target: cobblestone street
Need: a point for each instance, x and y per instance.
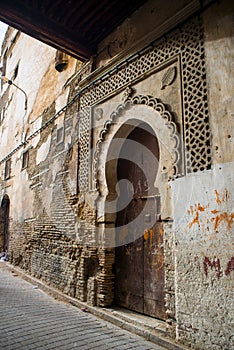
(31, 319)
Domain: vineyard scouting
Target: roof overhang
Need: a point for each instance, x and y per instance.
(73, 26)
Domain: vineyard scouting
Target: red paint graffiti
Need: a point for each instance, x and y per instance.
(213, 264)
(197, 263)
(230, 266)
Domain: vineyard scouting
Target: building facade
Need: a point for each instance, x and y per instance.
(116, 174)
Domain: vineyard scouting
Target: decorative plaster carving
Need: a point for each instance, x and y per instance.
(168, 77)
(158, 106)
(187, 43)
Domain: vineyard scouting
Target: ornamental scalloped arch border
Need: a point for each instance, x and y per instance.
(158, 106)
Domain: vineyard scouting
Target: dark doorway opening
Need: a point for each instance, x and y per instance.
(139, 256)
(4, 223)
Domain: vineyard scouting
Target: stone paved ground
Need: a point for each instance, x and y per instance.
(31, 319)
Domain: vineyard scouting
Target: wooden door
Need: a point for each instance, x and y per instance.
(139, 253)
(154, 272)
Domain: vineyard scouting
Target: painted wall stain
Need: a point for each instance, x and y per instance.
(223, 217)
(212, 264)
(197, 262)
(215, 211)
(230, 266)
(221, 197)
(146, 235)
(215, 216)
(194, 210)
(149, 236)
(218, 201)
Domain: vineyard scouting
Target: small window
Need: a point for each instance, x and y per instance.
(60, 135)
(7, 174)
(25, 159)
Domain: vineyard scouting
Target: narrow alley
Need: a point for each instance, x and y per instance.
(31, 319)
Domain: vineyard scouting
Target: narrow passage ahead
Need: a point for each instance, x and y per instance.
(31, 319)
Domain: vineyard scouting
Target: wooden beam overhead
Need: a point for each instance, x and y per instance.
(73, 26)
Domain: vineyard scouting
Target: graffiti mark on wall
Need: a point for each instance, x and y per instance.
(230, 266)
(223, 217)
(214, 264)
(221, 197)
(197, 263)
(194, 210)
(203, 216)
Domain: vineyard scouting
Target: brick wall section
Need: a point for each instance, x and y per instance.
(56, 244)
(47, 254)
(20, 249)
(106, 277)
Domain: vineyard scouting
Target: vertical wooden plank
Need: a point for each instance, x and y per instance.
(154, 272)
(139, 253)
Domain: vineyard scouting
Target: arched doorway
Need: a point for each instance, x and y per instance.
(139, 258)
(144, 220)
(4, 223)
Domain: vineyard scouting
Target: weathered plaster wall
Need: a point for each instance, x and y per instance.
(40, 81)
(203, 234)
(48, 221)
(43, 85)
(219, 50)
(33, 59)
(203, 207)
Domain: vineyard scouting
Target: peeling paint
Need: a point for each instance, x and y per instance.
(43, 151)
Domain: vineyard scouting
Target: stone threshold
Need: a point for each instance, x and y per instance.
(148, 328)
